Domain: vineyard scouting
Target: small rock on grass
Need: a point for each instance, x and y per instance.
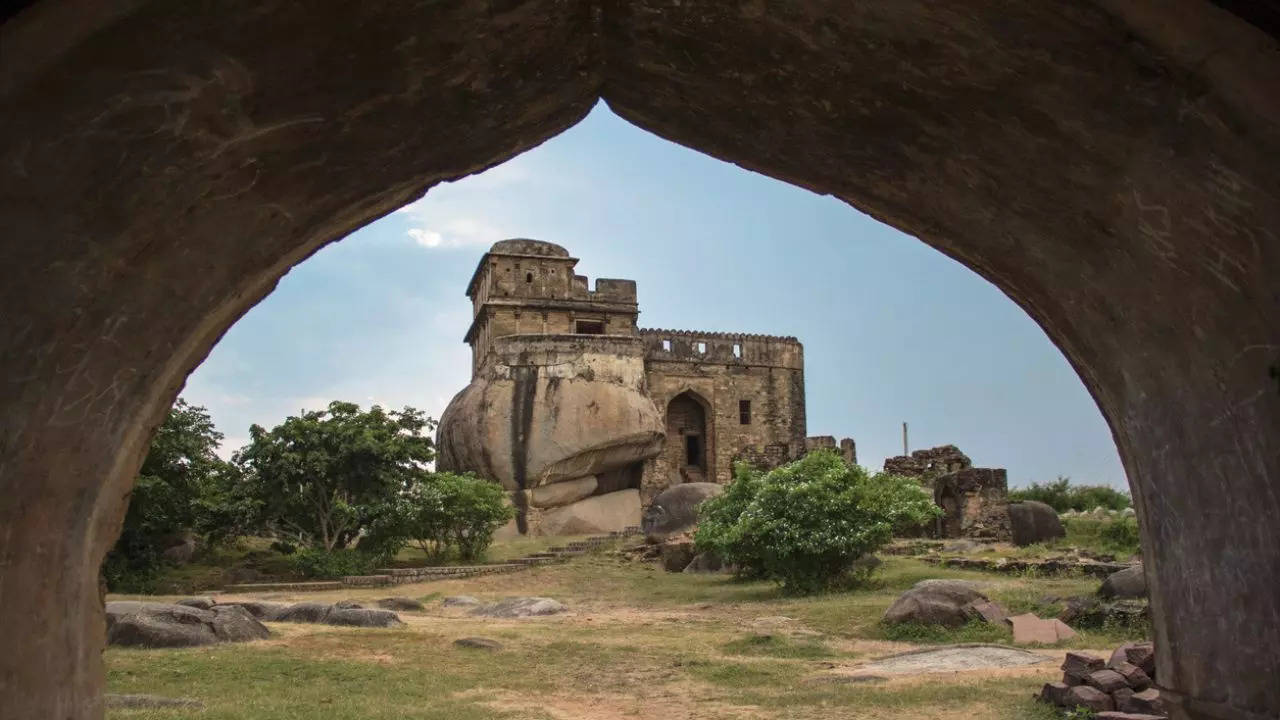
(518, 607)
(478, 643)
(400, 603)
(460, 601)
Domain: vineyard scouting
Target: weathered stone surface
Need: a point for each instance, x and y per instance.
(1054, 693)
(597, 514)
(1133, 675)
(974, 503)
(361, 617)
(676, 556)
(265, 611)
(1033, 522)
(562, 493)
(305, 612)
(675, 510)
(460, 601)
(478, 643)
(1141, 654)
(580, 404)
(1106, 680)
(935, 602)
(159, 625)
(706, 562)
(202, 603)
(521, 607)
(1088, 696)
(401, 603)
(1081, 664)
(1116, 715)
(1128, 148)
(1143, 701)
(1128, 583)
(1028, 628)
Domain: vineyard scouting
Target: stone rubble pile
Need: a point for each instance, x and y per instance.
(1122, 688)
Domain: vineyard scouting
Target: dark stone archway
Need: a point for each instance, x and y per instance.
(1111, 165)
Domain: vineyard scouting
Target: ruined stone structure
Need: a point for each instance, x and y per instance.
(1110, 165)
(974, 501)
(584, 418)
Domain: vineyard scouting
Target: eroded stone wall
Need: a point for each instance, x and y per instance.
(722, 371)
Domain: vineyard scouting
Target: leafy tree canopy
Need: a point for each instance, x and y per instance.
(317, 475)
(1062, 496)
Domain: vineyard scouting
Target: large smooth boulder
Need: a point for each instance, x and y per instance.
(1128, 583)
(950, 603)
(342, 613)
(614, 511)
(265, 611)
(1032, 522)
(563, 493)
(675, 510)
(156, 625)
(549, 409)
(518, 607)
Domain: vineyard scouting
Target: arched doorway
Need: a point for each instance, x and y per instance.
(1108, 165)
(687, 455)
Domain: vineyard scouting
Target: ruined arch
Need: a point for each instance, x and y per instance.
(1109, 164)
(689, 453)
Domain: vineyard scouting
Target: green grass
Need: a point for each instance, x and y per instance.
(708, 643)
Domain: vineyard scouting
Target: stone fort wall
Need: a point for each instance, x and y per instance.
(740, 395)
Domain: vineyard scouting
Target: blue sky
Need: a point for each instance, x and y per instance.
(893, 330)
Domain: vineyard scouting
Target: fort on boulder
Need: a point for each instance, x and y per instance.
(585, 417)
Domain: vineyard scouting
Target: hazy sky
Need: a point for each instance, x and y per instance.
(893, 330)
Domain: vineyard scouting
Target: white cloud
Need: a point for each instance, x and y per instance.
(456, 232)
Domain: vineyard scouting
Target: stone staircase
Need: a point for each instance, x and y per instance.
(403, 576)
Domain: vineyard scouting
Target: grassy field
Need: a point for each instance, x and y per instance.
(637, 643)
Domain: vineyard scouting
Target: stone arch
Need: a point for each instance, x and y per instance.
(1108, 164)
(689, 453)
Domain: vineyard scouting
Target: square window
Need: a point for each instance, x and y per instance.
(666, 345)
(744, 412)
(737, 350)
(702, 348)
(589, 327)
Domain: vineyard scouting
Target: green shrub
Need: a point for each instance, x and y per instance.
(1062, 496)
(1118, 535)
(1121, 535)
(805, 525)
(443, 514)
(321, 564)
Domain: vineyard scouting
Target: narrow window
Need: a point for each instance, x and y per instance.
(702, 348)
(744, 412)
(693, 450)
(528, 277)
(589, 327)
(666, 345)
(737, 350)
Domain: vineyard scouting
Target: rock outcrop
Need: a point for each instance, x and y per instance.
(161, 625)
(1128, 583)
(1032, 522)
(675, 510)
(950, 603)
(615, 511)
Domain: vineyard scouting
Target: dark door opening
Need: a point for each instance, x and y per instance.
(693, 450)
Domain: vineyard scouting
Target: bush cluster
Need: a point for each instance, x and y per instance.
(321, 564)
(807, 525)
(1062, 496)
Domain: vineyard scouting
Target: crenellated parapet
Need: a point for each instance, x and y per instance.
(723, 348)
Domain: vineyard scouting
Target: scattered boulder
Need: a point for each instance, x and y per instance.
(135, 702)
(706, 562)
(202, 603)
(676, 556)
(478, 643)
(157, 625)
(950, 603)
(1032, 522)
(675, 510)
(361, 617)
(1128, 583)
(518, 607)
(1144, 701)
(303, 613)
(264, 611)
(1077, 667)
(1089, 611)
(460, 601)
(401, 603)
(1106, 680)
(1141, 654)
(615, 511)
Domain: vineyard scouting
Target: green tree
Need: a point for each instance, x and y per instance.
(176, 493)
(317, 476)
(1062, 496)
(807, 524)
(445, 512)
